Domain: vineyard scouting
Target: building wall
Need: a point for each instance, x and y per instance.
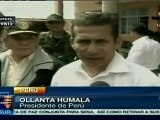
(85, 6)
(153, 6)
(153, 10)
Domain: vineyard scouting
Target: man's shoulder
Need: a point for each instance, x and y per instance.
(138, 69)
(66, 36)
(42, 55)
(150, 44)
(143, 76)
(66, 74)
(155, 43)
(138, 46)
(71, 67)
(132, 67)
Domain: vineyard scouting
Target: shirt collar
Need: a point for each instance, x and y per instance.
(117, 65)
(28, 58)
(139, 40)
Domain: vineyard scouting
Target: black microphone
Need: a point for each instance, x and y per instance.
(99, 84)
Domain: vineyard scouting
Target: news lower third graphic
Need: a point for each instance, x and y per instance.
(6, 103)
(7, 20)
(79, 100)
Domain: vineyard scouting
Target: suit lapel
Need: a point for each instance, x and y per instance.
(40, 61)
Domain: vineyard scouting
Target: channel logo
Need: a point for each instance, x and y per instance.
(7, 20)
(6, 102)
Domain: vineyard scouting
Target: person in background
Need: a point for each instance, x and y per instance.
(25, 63)
(155, 36)
(95, 42)
(56, 42)
(145, 51)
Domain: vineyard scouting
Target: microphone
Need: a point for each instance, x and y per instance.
(99, 84)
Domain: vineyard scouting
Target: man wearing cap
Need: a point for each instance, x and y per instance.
(56, 42)
(25, 63)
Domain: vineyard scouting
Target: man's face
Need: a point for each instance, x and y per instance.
(94, 45)
(23, 44)
(55, 25)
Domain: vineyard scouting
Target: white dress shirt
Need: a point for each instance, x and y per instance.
(119, 72)
(16, 69)
(145, 52)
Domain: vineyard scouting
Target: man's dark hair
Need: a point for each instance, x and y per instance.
(141, 29)
(97, 19)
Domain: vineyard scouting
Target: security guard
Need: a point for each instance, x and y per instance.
(56, 42)
(25, 63)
